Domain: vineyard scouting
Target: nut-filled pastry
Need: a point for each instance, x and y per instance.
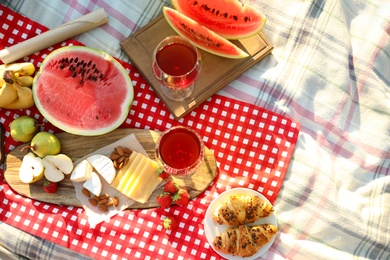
(244, 240)
(241, 209)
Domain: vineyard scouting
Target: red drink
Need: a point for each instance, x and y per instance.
(176, 65)
(180, 150)
(176, 59)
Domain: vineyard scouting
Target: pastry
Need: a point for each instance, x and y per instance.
(241, 209)
(244, 240)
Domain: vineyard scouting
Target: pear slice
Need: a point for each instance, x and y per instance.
(104, 166)
(62, 162)
(31, 169)
(57, 166)
(82, 171)
(94, 184)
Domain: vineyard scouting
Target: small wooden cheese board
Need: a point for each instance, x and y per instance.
(76, 147)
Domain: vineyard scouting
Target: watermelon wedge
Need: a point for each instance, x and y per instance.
(201, 36)
(228, 18)
(83, 91)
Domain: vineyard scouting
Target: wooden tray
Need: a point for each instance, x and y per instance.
(216, 72)
(78, 146)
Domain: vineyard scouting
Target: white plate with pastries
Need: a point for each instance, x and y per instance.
(213, 229)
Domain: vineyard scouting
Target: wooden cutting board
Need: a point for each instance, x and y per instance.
(77, 147)
(216, 71)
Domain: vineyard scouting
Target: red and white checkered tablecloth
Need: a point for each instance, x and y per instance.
(252, 146)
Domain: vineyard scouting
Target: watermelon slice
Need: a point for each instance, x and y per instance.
(201, 36)
(83, 91)
(228, 18)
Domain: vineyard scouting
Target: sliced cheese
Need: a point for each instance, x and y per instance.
(140, 179)
(134, 175)
(145, 183)
(126, 178)
(123, 170)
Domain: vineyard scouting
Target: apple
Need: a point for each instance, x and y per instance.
(31, 169)
(57, 166)
(94, 184)
(82, 171)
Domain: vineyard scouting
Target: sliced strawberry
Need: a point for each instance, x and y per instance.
(170, 223)
(164, 200)
(171, 187)
(181, 197)
(50, 187)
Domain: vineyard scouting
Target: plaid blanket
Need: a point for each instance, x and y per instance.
(329, 71)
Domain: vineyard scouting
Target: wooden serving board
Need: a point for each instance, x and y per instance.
(77, 147)
(216, 71)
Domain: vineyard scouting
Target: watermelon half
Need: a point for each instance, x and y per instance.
(201, 36)
(228, 18)
(83, 91)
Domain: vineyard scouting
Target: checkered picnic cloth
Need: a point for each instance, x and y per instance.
(329, 72)
(253, 148)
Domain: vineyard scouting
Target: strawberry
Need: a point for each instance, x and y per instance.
(171, 187)
(170, 223)
(164, 200)
(181, 197)
(164, 175)
(50, 187)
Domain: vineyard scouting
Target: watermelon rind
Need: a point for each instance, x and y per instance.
(230, 19)
(78, 125)
(204, 39)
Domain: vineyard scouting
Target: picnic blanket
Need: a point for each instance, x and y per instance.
(329, 71)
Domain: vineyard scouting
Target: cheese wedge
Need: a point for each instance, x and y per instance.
(94, 184)
(139, 179)
(104, 166)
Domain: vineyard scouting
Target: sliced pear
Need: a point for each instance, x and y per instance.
(51, 172)
(82, 171)
(62, 162)
(57, 166)
(104, 166)
(31, 169)
(94, 184)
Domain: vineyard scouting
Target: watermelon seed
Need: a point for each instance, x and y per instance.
(205, 7)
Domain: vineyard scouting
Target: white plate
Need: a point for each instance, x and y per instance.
(213, 229)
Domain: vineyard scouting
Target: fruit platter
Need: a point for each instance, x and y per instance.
(77, 147)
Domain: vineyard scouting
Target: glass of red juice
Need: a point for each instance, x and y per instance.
(180, 151)
(176, 65)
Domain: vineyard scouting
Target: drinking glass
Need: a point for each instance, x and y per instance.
(176, 65)
(180, 151)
